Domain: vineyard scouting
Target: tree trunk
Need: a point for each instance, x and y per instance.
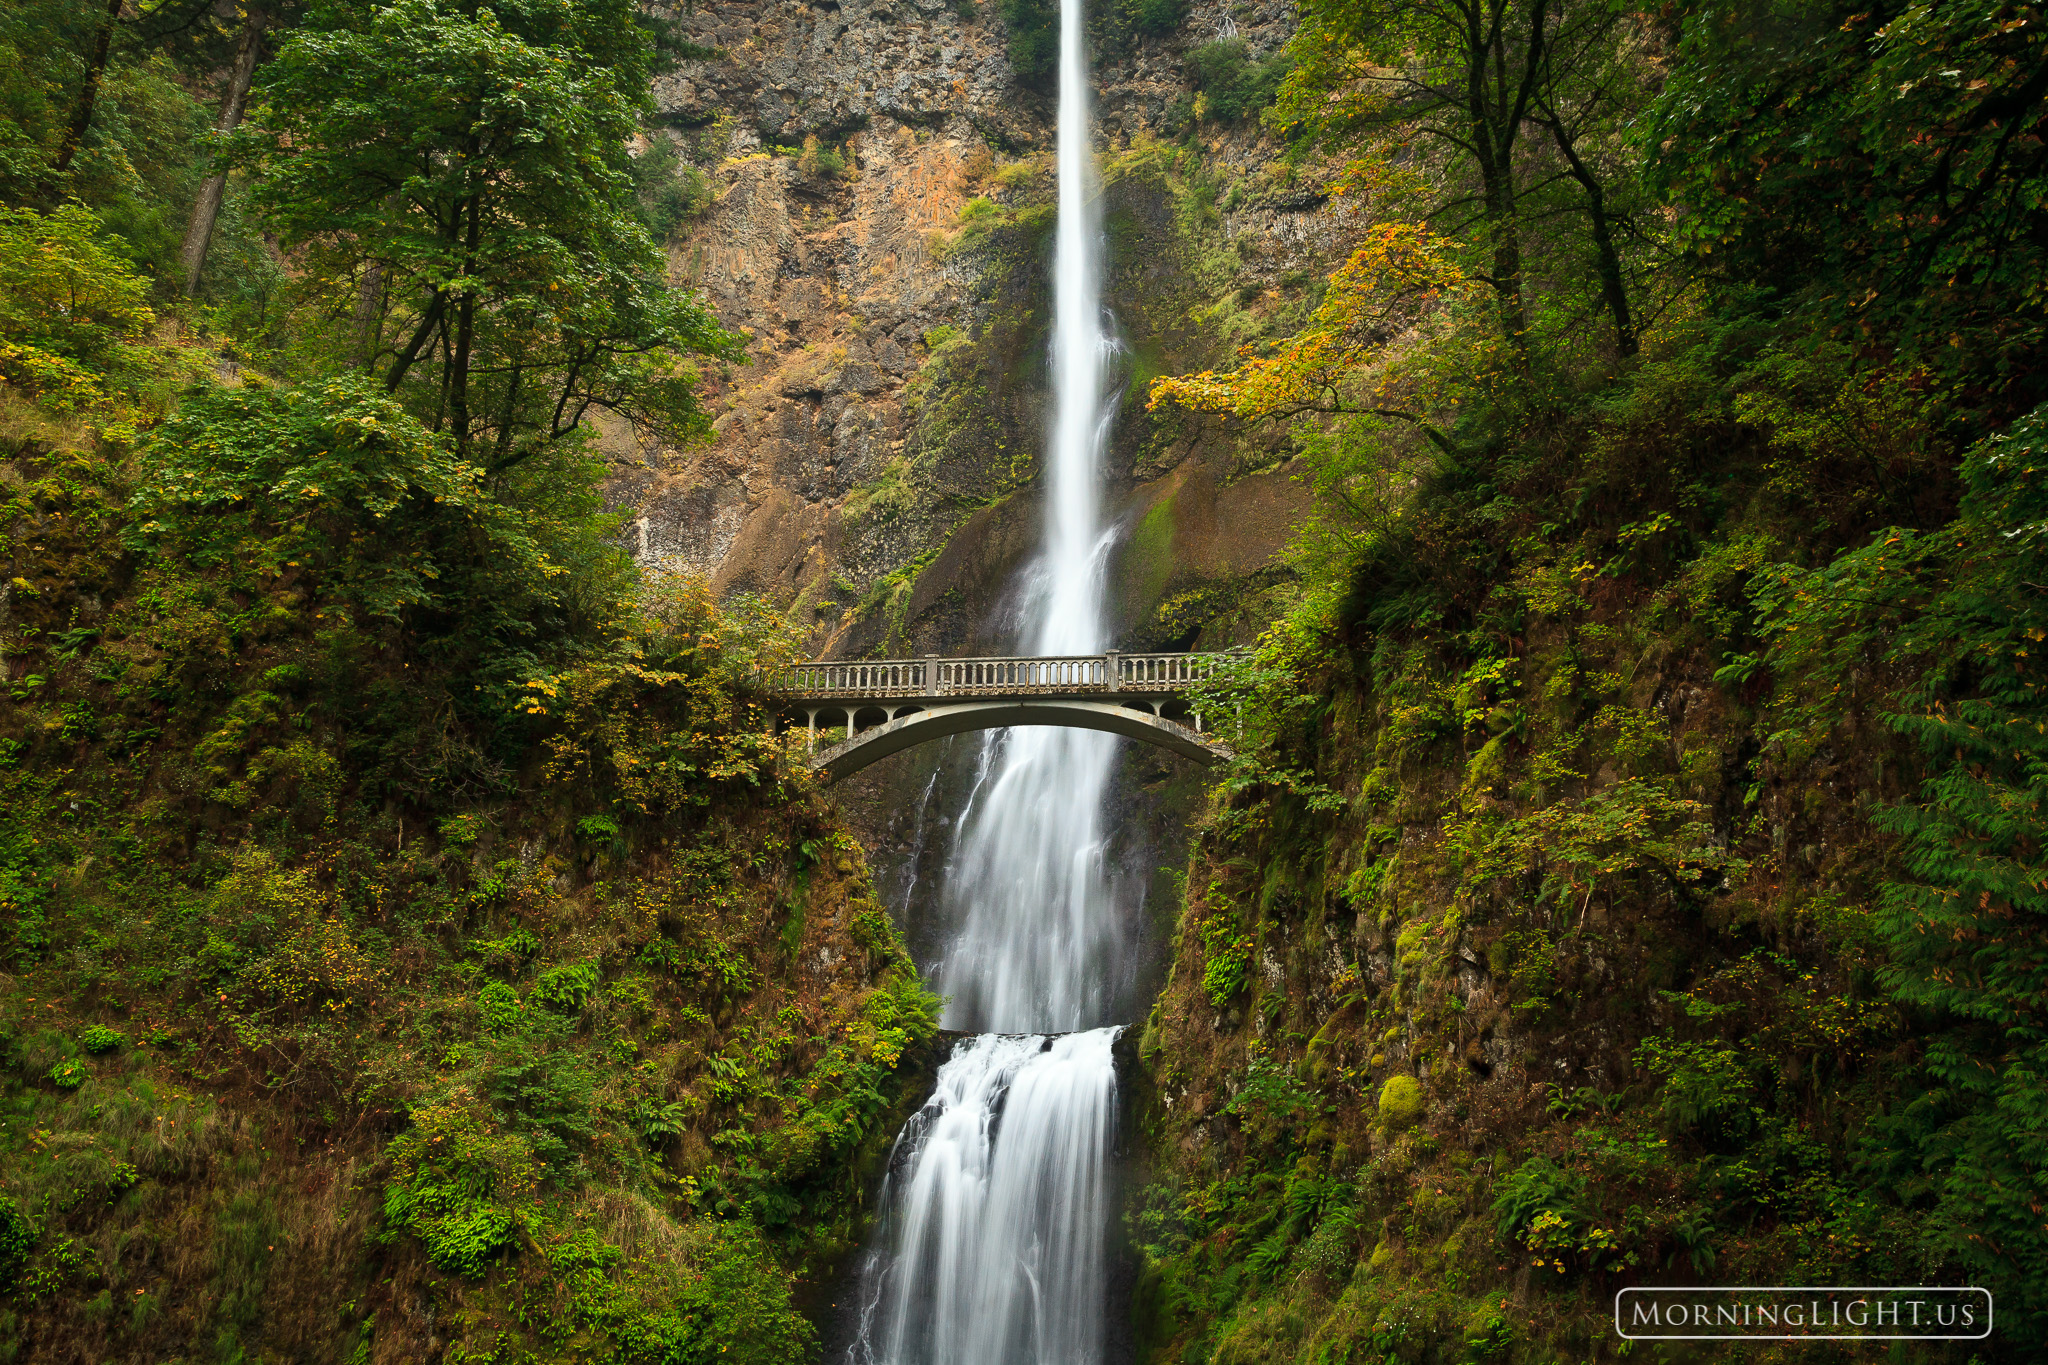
(1606, 258)
(429, 320)
(1496, 121)
(369, 314)
(81, 116)
(465, 333)
(206, 209)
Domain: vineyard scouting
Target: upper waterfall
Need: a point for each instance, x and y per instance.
(1039, 943)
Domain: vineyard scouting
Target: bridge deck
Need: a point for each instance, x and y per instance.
(1068, 675)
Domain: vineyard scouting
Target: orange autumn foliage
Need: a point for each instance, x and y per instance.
(1398, 276)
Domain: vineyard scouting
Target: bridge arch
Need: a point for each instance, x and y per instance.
(938, 720)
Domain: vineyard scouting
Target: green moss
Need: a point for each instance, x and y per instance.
(1401, 1103)
(1151, 551)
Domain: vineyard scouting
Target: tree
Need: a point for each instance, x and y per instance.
(476, 162)
(1474, 77)
(206, 207)
(1883, 167)
(1592, 83)
(88, 94)
(1394, 279)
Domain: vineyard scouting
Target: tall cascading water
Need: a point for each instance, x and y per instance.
(992, 1245)
(1039, 945)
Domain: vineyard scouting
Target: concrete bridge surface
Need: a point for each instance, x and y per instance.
(887, 705)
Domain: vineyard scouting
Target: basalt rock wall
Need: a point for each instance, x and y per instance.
(874, 464)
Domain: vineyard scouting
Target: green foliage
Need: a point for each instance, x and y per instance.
(1574, 847)
(565, 988)
(1707, 1088)
(74, 315)
(1868, 160)
(289, 660)
(454, 1180)
(1271, 1100)
(476, 160)
(597, 829)
(1259, 703)
(1033, 40)
(337, 481)
(100, 1039)
(69, 1074)
(17, 1242)
(1962, 924)
(1160, 17)
(669, 191)
(24, 892)
(1232, 85)
(1227, 953)
(499, 1005)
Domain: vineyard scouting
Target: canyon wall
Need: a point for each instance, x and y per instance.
(874, 463)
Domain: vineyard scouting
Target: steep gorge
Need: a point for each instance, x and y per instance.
(420, 945)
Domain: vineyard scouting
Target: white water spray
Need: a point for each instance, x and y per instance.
(995, 1206)
(992, 1248)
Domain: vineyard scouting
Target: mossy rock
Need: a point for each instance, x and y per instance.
(1400, 1102)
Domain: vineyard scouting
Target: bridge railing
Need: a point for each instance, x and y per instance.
(1062, 674)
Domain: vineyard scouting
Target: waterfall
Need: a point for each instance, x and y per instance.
(995, 1210)
(991, 1247)
(1039, 944)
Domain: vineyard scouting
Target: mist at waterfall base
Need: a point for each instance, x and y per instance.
(991, 1247)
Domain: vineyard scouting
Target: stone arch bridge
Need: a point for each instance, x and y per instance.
(887, 705)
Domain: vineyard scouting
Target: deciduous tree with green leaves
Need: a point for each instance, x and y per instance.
(471, 164)
(1488, 83)
(1883, 166)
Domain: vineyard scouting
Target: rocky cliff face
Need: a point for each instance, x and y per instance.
(874, 464)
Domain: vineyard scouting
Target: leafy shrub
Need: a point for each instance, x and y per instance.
(336, 480)
(456, 1176)
(565, 988)
(499, 1005)
(74, 320)
(69, 1074)
(873, 930)
(596, 829)
(100, 1038)
(1227, 955)
(17, 1243)
(1232, 85)
(1272, 1098)
(548, 1098)
(668, 191)
(1160, 17)
(1537, 1185)
(817, 159)
(1707, 1088)
(1033, 43)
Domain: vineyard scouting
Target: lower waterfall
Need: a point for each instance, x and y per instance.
(991, 1248)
